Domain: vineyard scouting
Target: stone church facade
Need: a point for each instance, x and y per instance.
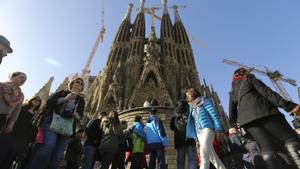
(142, 66)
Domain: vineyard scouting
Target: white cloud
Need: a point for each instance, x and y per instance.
(52, 62)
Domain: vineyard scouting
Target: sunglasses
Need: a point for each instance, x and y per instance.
(79, 82)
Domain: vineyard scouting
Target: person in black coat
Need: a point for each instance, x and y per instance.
(74, 151)
(182, 145)
(68, 104)
(12, 145)
(92, 142)
(255, 107)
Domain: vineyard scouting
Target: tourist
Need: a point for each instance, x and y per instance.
(255, 107)
(92, 142)
(109, 146)
(74, 150)
(13, 144)
(125, 144)
(156, 139)
(203, 123)
(183, 145)
(237, 148)
(11, 100)
(67, 105)
(139, 140)
(4, 47)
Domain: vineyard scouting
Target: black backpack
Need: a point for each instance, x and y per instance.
(180, 123)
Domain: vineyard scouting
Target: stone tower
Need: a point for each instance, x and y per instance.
(140, 67)
(44, 92)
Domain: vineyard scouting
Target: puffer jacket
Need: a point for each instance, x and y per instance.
(155, 132)
(207, 118)
(251, 99)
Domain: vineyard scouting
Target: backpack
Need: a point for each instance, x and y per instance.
(180, 123)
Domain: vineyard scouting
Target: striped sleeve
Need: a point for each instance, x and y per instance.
(213, 114)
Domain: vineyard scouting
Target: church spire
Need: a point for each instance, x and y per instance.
(142, 7)
(124, 29)
(128, 13)
(176, 13)
(44, 92)
(165, 8)
(119, 49)
(181, 36)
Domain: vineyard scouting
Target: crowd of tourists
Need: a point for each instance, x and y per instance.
(52, 137)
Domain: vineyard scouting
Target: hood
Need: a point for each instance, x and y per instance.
(152, 118)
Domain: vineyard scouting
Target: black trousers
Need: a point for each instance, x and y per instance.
(108, 159)
(2, 122)
(137, 161)
(72, 165)
(265, 130)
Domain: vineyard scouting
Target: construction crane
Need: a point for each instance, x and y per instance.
(86, 70)
(152, 11)
(299, 93)
(99, 40)
(275, 76)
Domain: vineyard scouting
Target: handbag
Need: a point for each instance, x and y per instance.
(61, 125)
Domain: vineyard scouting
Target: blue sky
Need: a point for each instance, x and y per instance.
(54, 38)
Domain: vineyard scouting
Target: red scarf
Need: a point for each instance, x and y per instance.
(12, 94)
(237, 78)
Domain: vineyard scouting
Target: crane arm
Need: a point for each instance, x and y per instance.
(236, 64)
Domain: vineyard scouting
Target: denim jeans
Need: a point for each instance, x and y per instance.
(158, 153)
(51, 150)
(190, 150)
(89, 153)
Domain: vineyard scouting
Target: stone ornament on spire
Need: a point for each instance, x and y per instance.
(142, 7)
(152, 49)
(176, 13)
(128, 13)
(165, 8)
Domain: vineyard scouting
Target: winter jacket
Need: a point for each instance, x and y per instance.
(139, 138)
(207, 118)
(53, 106)
(251, 99)
(110, 141)
(178, 125)
(93, 133)
(155, 132)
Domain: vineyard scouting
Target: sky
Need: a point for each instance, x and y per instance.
(54, 38)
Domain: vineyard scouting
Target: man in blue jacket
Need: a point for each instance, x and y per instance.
(156, 139)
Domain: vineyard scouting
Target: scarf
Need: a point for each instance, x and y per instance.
(197, 102)
(12, 94)
(237, 78)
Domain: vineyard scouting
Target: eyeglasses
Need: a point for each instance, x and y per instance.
(79, 82)
(37, 99)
